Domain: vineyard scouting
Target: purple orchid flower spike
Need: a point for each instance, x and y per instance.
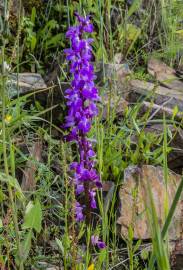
(81, 100)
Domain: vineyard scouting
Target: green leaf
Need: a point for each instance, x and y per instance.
(81, 231)
(144, 254)
(175, 111)
(137, 245)
(130, 233)
(33, 15)
(26, 245)
(13, 183)
(135, 125)
(53, 41)
(33, 43)
(60, 245)
(134, 8)
(33, 216)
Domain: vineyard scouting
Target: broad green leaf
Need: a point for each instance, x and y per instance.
(33, 216)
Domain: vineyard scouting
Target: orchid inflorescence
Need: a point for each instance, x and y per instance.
(81, 101)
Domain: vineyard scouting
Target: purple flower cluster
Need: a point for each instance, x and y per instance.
(81, 101)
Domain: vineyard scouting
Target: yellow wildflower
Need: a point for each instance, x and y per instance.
(91, 267)
(8, 118)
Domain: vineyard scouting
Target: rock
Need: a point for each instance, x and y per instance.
(24, 83)
(115, 73)
(47, 266)
(164, 74)
(134, 200)
(118, 58)
(159, 94)
(178, 262)
(45, 97)
(12, 10)
(33, 83)
(29, 172)
(177, 255)
(175, 157)
(165, 96)
(50, 268)
(157, 111)
(108, 189)
(113, 104)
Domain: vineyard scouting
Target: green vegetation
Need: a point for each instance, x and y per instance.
(37, 224)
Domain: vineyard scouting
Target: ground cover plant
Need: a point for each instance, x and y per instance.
(64, 149)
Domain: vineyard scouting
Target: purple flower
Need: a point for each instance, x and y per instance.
(79, 212)
(85, 23)
(101, 244)
(79, 188)
(96, 242)
(92, 199)
(84, 124)
(91, 153)
(73, 31)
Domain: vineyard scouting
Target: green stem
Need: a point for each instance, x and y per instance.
(66, 200)
(13, 207)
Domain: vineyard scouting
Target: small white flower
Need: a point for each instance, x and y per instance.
(6, 66)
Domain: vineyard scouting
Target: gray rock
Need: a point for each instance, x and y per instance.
(24, 83)
(165, 74)
(158, 94)
(117, 74)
